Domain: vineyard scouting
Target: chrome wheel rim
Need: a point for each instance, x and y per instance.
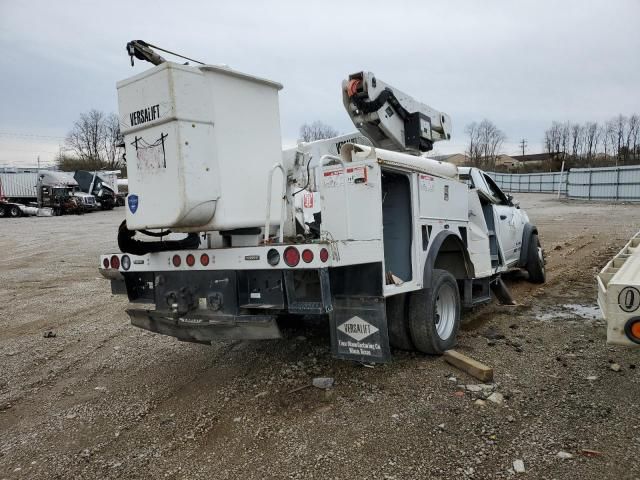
(541, 258)
(445, 314)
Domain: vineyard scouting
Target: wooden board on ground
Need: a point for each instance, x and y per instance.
(469, 365)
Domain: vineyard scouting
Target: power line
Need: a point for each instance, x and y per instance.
(31, 135)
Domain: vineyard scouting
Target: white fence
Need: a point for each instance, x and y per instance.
(607, 183)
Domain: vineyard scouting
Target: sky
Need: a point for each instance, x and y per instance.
(520, 64)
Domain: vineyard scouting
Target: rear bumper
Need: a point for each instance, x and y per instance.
(206, 328)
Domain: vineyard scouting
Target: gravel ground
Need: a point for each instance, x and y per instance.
(103, 399)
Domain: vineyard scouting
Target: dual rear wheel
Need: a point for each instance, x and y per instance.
(426, 320)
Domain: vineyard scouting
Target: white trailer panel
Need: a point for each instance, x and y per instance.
(19, 185)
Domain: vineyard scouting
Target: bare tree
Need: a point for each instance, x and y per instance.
(610, 138)
(316, 131)
(473, 149)
(591, 138)
(485, 142)
(576, 134)
(113, 138)
(619, 124)
(633, 135)
(85, 138)
(94, 140)
(553, 139)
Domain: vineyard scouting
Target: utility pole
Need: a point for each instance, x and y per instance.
(523, 145)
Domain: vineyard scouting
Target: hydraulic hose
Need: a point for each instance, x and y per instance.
(128, 244)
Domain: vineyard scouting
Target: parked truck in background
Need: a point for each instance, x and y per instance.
(32, 193)
(93, 183)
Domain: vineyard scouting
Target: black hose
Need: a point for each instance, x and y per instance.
(128, 244)
(385, 96)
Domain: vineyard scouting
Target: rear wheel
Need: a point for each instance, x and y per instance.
(398, 322)
(3, 211)
(535, 260)
(434, 314)
(14, 211)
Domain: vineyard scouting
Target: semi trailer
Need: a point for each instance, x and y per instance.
(41, 193)
(385, 244)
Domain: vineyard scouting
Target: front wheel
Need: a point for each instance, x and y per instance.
(535, 260)
(434, 314)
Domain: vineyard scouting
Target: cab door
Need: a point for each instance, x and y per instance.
(507, 222)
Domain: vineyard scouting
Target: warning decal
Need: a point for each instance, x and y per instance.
(426, 182)
(353, 175)
(307, 201)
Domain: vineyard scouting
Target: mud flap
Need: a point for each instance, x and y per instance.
(359, 329)
(502, 292)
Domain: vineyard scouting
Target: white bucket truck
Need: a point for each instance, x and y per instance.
(388, 245)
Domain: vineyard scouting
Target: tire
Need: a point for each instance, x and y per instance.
(14, 211)
(3, 211)
(434, 314)
(535, 260)
(398, 322)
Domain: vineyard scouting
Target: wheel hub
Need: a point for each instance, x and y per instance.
(445, 314)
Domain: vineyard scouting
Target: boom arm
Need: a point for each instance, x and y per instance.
(390, 118)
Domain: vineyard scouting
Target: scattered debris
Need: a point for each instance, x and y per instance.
(49, 334)
(101, 389)
(518, 466)
(615, 367)
(496, 398)
(590, 453)
(592, 378)
(324, 383)
(261, 394)
(564, 455)
(473, 388)
(480, 403)
(469, 365)
(297, 389)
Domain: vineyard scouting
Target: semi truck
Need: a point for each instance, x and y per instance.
(41, 193)
(95, 184)
(225, 233)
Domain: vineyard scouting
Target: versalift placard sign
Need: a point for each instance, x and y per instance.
(359, 330)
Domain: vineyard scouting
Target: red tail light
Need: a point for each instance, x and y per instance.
(115, 262)
(291, 256)
(204, 259)
(324, 255)
(191, 260)
(176, 260)
(105, 263)
(307, 256)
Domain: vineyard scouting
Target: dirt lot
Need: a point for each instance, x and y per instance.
(103, 399)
